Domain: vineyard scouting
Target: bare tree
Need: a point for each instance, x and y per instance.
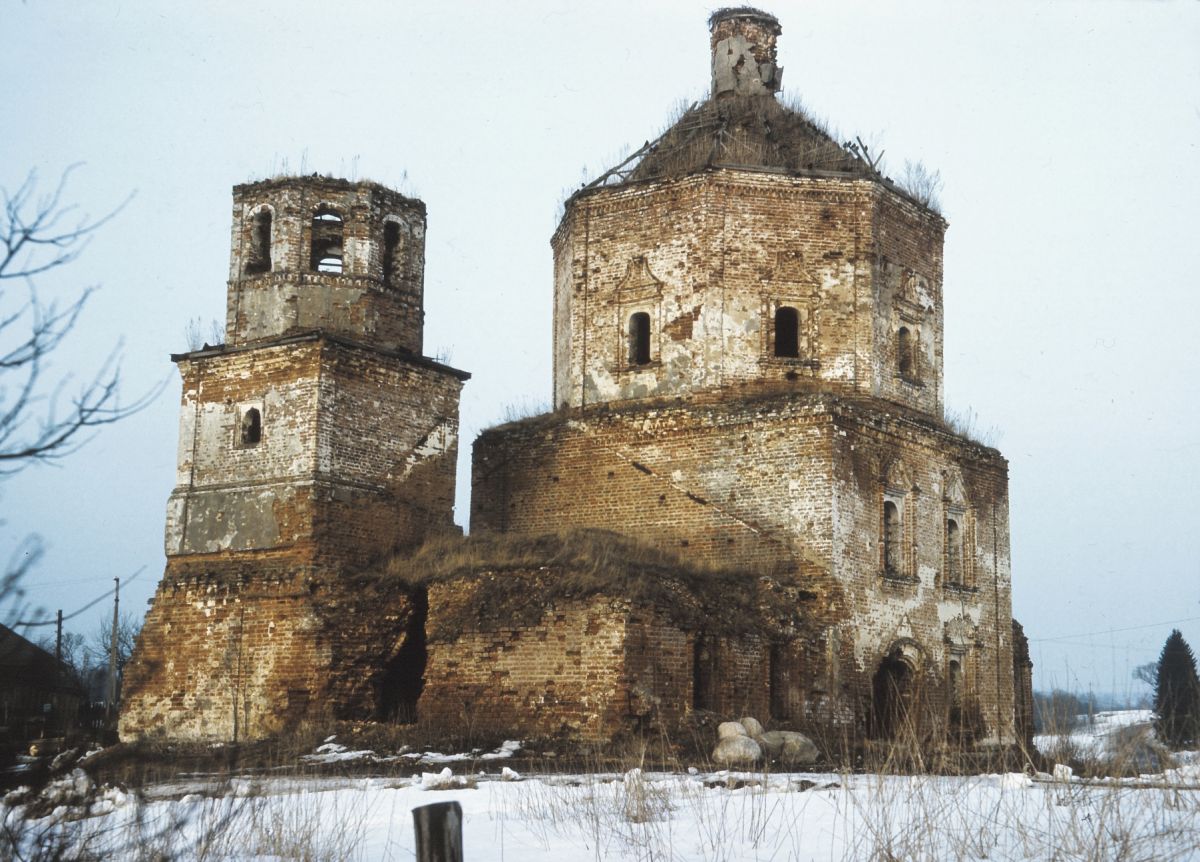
(1147, 673)
(193, 333)
(76, 656)
(101, 642)
(924, 185)
(41, 419)
(45, 416)
(100, 647)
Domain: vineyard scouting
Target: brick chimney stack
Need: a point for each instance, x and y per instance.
(743, 52)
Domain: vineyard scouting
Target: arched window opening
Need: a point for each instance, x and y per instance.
(259, 259)
(891, 538)
(954, 695)
(703, 660)
(954, 554)
(904, 352)
(639, 338)
(251, 427)
(391, 247)
(891, 713)
(777, 679)
(327, 252)
(787, 331)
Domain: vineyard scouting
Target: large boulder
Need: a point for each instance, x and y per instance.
(737, 750)
(753, 728)
(730, 730)
(790, 747)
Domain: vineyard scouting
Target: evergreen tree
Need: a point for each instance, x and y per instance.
(1177, 695)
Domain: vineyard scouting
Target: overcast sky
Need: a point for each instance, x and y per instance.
(1067, 134)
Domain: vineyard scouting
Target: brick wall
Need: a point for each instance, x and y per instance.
(715, 483)
(931, 477)
(219, 660)
(380, 304)
(357, 450)
(711, 257)
(589, 668)
(791, 484)
(259, 614)
(236, 649)
(562, 673)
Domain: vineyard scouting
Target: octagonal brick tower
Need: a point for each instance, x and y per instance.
(748, 371)
(747, 247)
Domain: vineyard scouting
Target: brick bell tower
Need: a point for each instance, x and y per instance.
(317, 439)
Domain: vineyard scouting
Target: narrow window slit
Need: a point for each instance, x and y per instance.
(639, 338)
(787, 331)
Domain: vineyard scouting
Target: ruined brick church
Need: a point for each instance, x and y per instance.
(745, 500)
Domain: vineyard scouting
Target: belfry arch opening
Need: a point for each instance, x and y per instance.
(259, 258)
(327, 241)
(391, 253)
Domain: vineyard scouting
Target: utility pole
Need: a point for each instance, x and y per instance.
(58, 638)
(112, 653)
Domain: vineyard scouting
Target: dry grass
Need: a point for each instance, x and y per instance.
(507, 570)
(755, 132)
(966, 423)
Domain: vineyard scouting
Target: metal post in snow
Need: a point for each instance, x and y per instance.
(438, 828)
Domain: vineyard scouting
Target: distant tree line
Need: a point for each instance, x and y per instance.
(1060, 711)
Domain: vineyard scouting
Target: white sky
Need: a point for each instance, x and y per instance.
(1068, 136)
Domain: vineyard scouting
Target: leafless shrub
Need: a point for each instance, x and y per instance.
(195, 335)
(923, 185)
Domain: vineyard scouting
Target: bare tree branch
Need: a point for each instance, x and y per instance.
(43, 420)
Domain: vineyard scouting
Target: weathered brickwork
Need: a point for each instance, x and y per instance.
(563, 673)
(791, 483)
(241, 649)
(586, 668)
(355, 455)
(711, 259)
(310, 446)
(748, 368)
(748, 428)
(1023, 676)
(320, 253)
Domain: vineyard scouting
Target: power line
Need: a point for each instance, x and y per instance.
(1114, 631)
(75, 613)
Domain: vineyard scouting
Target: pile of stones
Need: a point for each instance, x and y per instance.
(745, 742)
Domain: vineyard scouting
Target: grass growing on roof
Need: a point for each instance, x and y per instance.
(514, 579)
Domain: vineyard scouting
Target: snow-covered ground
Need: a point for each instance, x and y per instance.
(1099, 734)
(685, 816)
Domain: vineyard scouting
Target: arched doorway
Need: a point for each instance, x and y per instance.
(399, 687)
(892, 712)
